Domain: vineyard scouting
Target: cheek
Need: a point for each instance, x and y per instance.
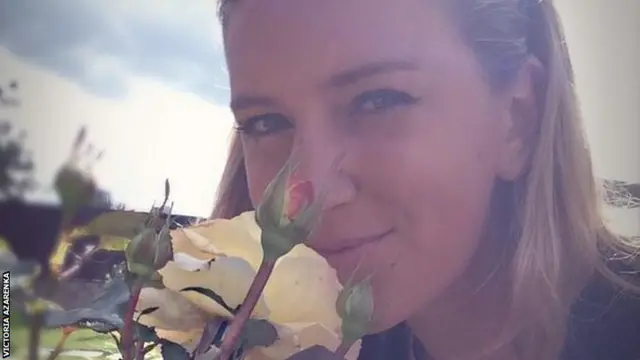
(435, 242)
(438, 186)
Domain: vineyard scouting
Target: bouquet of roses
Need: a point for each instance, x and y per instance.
(240, 288)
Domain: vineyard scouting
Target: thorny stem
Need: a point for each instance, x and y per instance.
(208, 336)
(139, 350)
(253, 296)
(127, 330)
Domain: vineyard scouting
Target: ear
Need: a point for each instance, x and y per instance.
(521, 120)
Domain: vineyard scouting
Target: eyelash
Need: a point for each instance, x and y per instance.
(382, 100)
(249, 126)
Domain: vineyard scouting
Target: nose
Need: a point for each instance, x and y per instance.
(324, 160)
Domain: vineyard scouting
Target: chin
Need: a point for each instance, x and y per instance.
(395, 304)
(387, 312)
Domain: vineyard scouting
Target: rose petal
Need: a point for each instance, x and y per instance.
(188, 262)
(298, 197)
(174, 311)
(248, 222)
(228, 277)
(303, 289)
(181, 244)
(302, 250)
(238, 237)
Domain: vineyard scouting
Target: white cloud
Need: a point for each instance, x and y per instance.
(152, 134)
(199, 14)
(176, 43)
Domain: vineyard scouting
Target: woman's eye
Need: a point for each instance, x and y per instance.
(263, 125)
(377, 101)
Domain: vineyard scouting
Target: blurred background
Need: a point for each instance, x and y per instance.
(147, 78)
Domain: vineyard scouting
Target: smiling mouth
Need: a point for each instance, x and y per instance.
(349, 245)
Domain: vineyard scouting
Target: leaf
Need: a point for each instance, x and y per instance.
(103, 314)
(74, 187)
(145, 333)
(113, 243)
(102, 322)
(80, 139)
(123, 224)
(155, 283)
(5, 247)
(149, 310)
(173, 351)
(97, 325)
(211, 295)
(58, 254)
(209, 354)
(116, 292)
(211, 335)
(142, 271)
(32, 305)
(167, 189)
(258, 332)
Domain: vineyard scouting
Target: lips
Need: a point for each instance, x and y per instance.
(347, 252)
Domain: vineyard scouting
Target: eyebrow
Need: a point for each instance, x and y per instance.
(242, 102)
(352, 76)
(341, 79)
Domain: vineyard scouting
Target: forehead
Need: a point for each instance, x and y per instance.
(265, 38)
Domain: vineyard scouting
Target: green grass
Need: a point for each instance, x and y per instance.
(80, 340)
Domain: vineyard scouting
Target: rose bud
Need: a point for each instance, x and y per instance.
(287, 214)
(149, 251)
(355, 307)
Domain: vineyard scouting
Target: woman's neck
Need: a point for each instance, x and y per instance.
(467, 322)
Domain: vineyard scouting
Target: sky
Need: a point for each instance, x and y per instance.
(147, 78)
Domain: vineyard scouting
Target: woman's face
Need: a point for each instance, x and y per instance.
(390, 89)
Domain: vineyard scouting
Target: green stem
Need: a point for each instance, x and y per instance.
(36, 323)
(139, 350)
(234, 331)
(127, 331)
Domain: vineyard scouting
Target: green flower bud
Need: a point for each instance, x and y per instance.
(270, 212)
(152, 249)
(149, 251)
(287, 214)
(164, 249)
(355, 308)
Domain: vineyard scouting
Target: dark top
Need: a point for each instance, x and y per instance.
(604, 325)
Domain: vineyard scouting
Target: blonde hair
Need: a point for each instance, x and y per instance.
(561, 237)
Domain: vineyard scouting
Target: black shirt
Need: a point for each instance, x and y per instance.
(604, 325)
